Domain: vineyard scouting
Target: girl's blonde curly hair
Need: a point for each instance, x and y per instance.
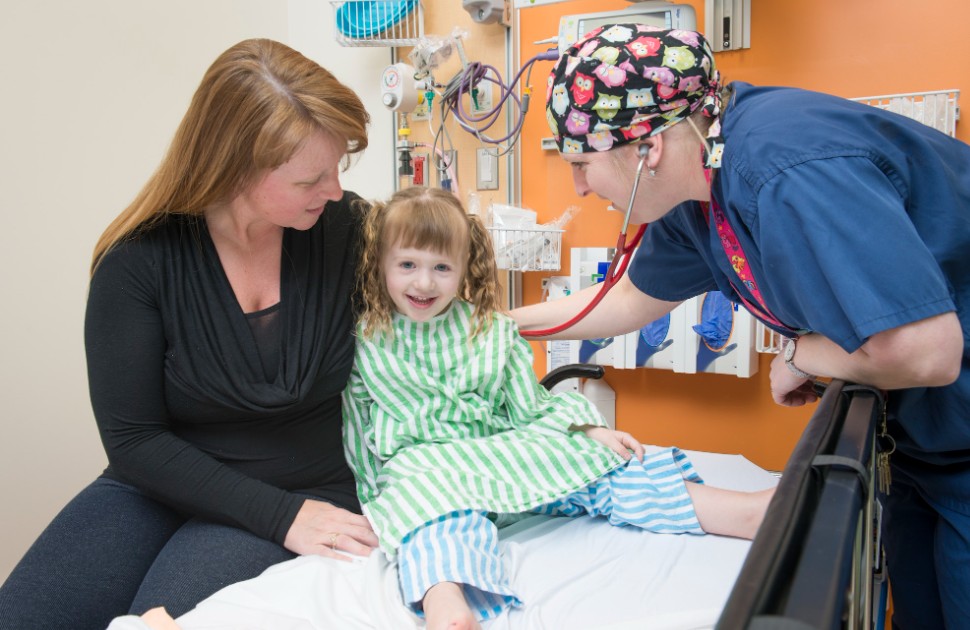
(430, 219)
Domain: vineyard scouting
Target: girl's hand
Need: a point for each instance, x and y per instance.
(619, 441)
(324, 529)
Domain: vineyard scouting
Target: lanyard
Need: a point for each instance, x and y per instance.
(739, 262)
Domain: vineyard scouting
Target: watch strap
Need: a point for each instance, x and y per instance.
(789, 361)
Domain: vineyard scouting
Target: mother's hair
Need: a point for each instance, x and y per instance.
(256, 105)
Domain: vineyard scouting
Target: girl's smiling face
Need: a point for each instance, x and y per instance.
(421, 283)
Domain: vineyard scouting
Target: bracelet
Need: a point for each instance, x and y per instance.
(789, 361)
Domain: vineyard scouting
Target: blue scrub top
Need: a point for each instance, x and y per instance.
(854, 220)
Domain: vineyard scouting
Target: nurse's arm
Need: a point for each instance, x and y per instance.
(624, 309)
(925, 353)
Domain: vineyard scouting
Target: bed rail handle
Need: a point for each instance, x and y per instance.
(804, 567)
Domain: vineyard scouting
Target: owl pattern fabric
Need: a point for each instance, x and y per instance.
(622, 82)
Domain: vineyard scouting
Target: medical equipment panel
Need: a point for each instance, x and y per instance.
(724, 339)
(707, 333)
(661, 343)
(660, 14)
(565, 374)
(588, 267)
(727, 24)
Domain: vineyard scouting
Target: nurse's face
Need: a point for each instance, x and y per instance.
(294, 194)
(609, 175)
(596, 173)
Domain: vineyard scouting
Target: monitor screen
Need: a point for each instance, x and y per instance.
(572, 27)
(660, 19)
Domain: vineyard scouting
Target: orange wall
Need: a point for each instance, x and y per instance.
(852, 49)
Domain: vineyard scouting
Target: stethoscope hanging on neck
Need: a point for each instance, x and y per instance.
(621, 259)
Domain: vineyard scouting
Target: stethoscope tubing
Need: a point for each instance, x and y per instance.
(621, 260)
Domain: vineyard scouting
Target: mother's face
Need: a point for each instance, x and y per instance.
(294, 194)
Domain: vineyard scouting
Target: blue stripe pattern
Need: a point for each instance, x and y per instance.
(462, 546)
(650, 495)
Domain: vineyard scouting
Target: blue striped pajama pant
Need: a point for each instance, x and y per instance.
(462, 546)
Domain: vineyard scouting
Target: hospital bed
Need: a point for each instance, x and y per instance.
(583, 573)
(816, 561)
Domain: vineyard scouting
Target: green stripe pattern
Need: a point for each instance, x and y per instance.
(436, 422)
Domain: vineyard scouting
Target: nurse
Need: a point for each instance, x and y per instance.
(843, 227)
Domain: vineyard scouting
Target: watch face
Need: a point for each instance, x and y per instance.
(789, 350)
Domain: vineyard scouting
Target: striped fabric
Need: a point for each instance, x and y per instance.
(435, 422)
(462, 547)
(650, 495)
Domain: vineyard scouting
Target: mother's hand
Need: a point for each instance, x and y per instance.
(324, 529)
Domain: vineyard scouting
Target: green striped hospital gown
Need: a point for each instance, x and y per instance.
(436, 422)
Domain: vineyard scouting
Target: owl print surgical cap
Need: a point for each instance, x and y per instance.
(622, 82)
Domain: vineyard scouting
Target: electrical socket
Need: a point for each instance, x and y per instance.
(419, 163)
(486, 169)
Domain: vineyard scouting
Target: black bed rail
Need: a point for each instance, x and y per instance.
(810, 565)
(572, 370)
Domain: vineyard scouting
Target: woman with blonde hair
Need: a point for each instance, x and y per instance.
(219, 338)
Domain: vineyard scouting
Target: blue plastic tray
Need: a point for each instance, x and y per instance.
(370, 17)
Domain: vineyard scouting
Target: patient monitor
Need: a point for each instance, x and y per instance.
(664, 15)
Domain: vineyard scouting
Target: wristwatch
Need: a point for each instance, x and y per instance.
(789, 361)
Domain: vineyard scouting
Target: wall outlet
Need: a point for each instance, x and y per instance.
(419, 163)
(486, 169)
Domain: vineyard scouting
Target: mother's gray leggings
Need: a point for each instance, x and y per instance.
(114, 551)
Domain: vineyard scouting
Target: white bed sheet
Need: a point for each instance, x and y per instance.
(577, 573)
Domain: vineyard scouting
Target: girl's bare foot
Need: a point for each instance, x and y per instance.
(159, 619)
(445, 608)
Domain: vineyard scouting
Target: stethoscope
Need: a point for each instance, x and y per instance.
(621, 259)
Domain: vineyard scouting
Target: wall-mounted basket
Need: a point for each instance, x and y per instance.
(378, 22)
(527, 249)
(939, 109)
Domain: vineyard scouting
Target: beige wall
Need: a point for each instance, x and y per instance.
(90, 93)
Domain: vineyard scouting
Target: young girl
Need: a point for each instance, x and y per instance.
(449, 433)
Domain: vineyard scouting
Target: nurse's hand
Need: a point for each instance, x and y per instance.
(619, 441)
(323, 529)
(786, 388)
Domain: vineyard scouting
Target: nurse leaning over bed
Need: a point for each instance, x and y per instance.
(219, 338)
(840, 225)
